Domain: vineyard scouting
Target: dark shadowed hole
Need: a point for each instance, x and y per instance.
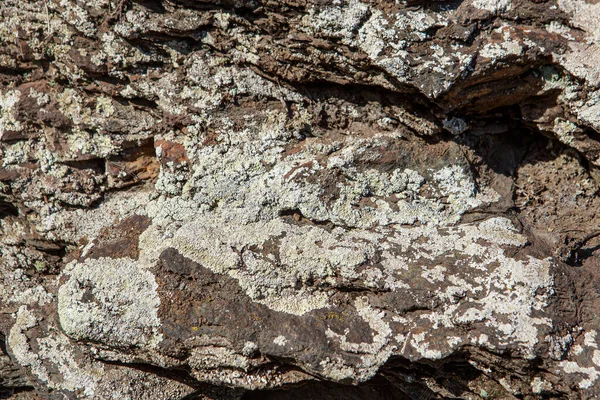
(7, 209)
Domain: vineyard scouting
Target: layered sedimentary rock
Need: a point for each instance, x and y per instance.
(299, 199)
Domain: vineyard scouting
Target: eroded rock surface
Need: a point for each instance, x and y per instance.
(312, 199)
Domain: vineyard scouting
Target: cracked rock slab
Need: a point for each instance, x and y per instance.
(236, 200)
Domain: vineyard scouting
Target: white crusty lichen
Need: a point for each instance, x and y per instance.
(216, 357)
(583, 361)
(385, 38)
(111, 301)
(294, 221)
(502, 292)
(589, 113)
(372, 354)
(251, 185)
(506, 48)
(79, 376)
(564, 130)
(280, 340)
(19, 343)
(75, 224)
(8, 122)
(238, 189)
(493, 6)
(583, 16)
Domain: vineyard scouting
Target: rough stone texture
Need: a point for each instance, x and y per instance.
(299, 199)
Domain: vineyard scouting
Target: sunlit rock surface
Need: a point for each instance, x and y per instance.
(313, 199)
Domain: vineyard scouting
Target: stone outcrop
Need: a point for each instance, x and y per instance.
(299, 199)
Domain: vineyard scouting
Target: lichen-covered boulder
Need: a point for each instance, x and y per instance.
(336, 199)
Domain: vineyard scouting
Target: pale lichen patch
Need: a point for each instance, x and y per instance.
(8, 122)
(583, 361)
(19, 343)
(493, 6)
(110, 300)
(54, 349)
(592, 373)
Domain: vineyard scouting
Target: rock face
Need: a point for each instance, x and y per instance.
(323, 199)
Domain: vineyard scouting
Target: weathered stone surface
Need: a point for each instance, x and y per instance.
(322, 199)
